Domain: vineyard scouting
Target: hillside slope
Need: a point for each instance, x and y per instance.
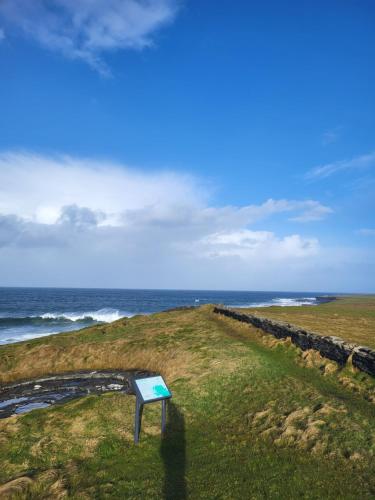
(251, 417)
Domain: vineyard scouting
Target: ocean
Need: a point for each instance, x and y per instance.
(27, 313)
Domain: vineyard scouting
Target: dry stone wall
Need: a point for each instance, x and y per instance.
(330, 347)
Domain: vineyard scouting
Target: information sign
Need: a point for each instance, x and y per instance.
(150, 390)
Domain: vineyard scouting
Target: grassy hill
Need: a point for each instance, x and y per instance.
(251, 416)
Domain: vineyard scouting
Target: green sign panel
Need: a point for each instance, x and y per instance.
(152, 388)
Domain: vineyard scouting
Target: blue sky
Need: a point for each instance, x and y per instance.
(231, 105)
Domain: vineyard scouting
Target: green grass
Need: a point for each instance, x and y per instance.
(248, 418)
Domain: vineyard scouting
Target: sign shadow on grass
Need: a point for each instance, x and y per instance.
(173, 453)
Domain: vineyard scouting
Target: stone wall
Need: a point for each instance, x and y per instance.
(329, 347)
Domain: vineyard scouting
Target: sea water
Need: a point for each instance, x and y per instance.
(27, 313)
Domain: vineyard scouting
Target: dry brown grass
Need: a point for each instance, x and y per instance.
(350, 318)
(15, 488)
(50, 360)
(303, 427)
(123, 353)
(85, 448)
(175, 344)
(313, 359)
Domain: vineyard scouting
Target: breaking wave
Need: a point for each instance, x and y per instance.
(100, 316)
(284, 302)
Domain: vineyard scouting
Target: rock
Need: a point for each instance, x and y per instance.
(364, 359)
(330, 347)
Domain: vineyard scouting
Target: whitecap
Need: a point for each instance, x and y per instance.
(288, 302)
(106, 315)
(281, 302)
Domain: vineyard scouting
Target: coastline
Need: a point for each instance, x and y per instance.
(34, 313)
(298, 413)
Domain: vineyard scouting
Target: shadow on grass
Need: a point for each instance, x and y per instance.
(173, 453)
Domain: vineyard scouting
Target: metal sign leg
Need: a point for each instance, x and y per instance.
(137, 420)
(163, 415)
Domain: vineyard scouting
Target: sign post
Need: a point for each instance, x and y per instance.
(150, 390)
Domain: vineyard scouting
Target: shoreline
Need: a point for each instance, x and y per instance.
(69, 322)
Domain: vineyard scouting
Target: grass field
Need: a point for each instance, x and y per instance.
(251, 417)
(352, 318)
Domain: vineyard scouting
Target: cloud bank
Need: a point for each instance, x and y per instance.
(85, 29)
(68, 221)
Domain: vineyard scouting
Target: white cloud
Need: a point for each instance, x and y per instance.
(72, 221)
(266, 245)
(84, 29)
(358, 163)
(311, 211)
(36, 187)
(307, 210)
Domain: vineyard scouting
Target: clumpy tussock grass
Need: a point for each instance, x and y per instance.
(250, 417)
